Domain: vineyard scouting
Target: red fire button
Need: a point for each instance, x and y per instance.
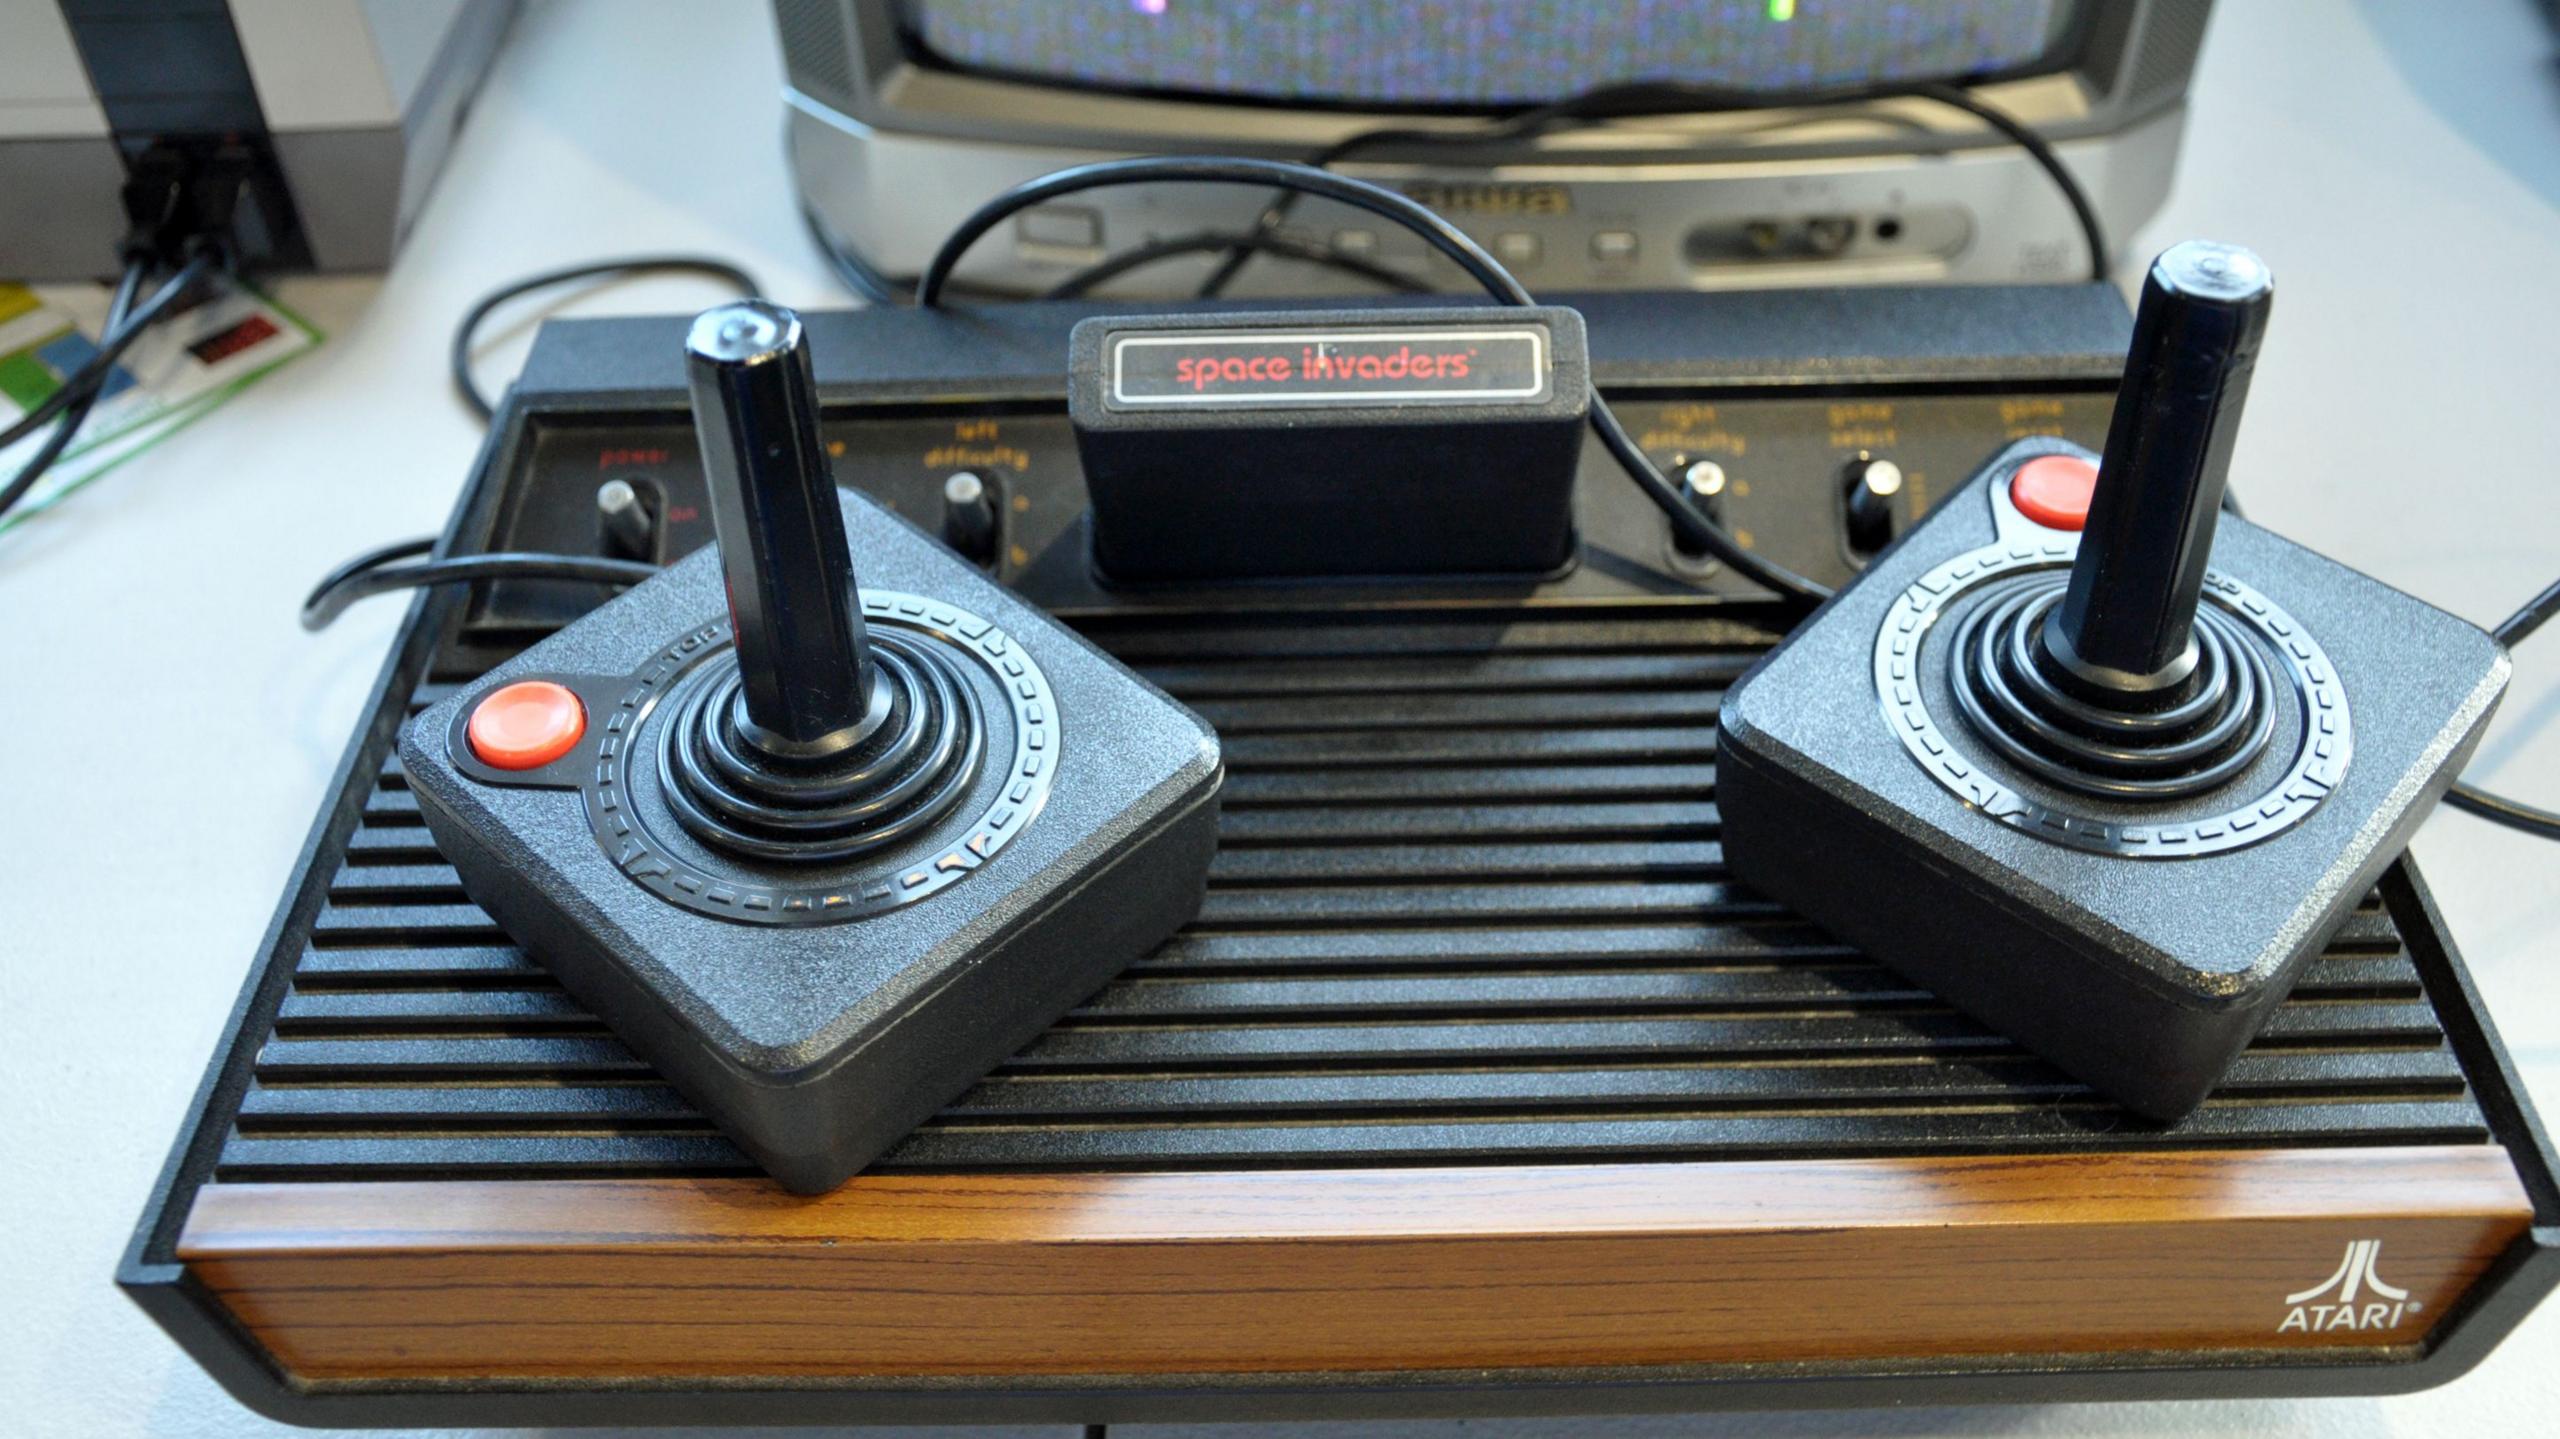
(2054, 490)
(526, 725)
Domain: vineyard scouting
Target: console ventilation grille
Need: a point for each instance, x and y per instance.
(1470, 906)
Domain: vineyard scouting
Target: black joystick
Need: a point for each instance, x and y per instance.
(2125, 629)
(2092, 759)
(822, 850)
(2113, 683)
(814, 743)
(809, 688)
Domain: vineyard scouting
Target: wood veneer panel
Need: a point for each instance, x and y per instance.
(1390, 1269)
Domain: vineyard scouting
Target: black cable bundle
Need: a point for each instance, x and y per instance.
(68, 407)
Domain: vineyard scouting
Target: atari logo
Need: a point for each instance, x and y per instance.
(2332, 1303)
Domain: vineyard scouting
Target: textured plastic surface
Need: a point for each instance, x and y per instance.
(2144, 977)
(816, 1047)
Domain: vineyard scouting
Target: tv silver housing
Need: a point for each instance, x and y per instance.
(890, 150)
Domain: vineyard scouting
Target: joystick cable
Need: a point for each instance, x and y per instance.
(1265, 241)
(1666, 100)
(2516, 628)
(2497, 808)
(458, 354)
(1792, 589)
(379, 571)
(864, 280)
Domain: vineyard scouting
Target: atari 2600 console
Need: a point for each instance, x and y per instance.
(1478, 1082)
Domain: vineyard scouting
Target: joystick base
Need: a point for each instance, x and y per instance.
(814, 1114)
(2137, 944)
(819, 1009)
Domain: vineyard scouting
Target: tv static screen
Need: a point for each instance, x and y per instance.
(1482, 54)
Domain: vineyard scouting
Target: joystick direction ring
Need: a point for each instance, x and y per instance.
(996, 786)
(884, 792)
(2199, 744)
(1963, 760)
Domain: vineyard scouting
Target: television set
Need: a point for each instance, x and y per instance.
(1817, 164)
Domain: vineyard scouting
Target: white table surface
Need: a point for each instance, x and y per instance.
(169, 730)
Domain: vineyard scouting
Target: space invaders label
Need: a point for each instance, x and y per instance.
(1253, 369)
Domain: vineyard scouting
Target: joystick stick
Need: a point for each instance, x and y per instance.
(824, 823)
(2115, 681)
(2093, 759)
(812, 740)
